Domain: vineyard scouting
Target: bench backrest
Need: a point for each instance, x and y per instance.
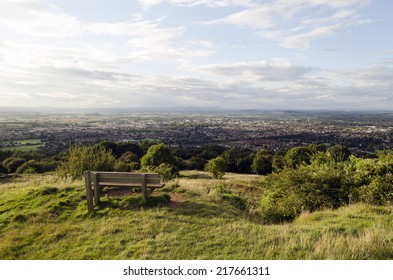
(134, 179)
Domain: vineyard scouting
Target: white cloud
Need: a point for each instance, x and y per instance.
(302, 40)
(265, 71)
(260, 18)
(147, 4)
(271, 18)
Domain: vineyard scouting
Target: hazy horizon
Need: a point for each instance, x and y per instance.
(235, 55)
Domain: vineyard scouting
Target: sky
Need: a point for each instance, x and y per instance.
(231, 54)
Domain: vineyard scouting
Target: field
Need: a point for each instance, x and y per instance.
(45, 217)
(22, 145)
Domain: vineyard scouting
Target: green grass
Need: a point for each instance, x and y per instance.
(24, 145)
(44, 217)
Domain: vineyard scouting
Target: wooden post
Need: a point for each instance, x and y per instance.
(89, 191)
(96, 188)
(144, 188)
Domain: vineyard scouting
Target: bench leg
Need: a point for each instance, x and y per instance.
(144, 188)
(97, 189)
(89, 192)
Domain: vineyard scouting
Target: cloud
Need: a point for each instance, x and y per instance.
(305, 88)
(289, 23)
(274, 70)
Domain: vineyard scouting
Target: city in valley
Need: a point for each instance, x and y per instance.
(361, 132)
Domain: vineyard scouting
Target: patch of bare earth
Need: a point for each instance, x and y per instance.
(176, 200)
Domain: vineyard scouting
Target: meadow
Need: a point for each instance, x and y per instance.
(23, 145)
(192, 217)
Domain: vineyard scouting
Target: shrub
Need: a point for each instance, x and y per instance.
(279, 206)
(379, 191)
(122, 167)
(167, 171)
(156, 155)
(13, 163)
(81, 158)
(31, 166)
(306, 188)
(216, 167)
(3, 170)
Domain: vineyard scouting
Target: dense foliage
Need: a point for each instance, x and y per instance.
(328, 182)
(83, 158)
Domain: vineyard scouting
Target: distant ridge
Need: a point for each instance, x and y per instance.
(188, 109)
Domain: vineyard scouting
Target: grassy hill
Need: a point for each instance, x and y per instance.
(45, 217)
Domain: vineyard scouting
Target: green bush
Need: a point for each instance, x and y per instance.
(3, 169)
(13, 163)
(278, 206)
(327, 182)
(122, 167)
(31, 166)
(81, 158)
(307, 188)
(167, 171)
(156, 155)
(379, 191)
(216, 167)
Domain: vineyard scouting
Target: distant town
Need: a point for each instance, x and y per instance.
(361, 132)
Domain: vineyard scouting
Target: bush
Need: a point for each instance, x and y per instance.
(156, 155)
(13, 163)
(216, 167)
(31, 166)
(3, 170)
(306, 188)
(379, 191)
(167, 171)
(81, 158)
(279, 206)
(122, 167)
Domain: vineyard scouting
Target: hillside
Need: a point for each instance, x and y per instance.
(44, 217)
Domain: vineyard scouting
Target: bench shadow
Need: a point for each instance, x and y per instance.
(198, 176)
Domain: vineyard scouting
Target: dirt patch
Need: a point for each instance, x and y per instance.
(177, 200)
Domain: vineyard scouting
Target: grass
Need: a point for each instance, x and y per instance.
(24, 145)
(44, 217)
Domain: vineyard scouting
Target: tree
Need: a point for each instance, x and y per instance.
(339, 153)
(216, 167)
(262, 163)
(238, 160)
(297, 156)
(278, 163)
(156, 155)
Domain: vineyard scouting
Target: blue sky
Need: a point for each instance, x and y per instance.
(244, 54)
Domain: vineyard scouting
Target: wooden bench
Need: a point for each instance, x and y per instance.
(95, 180)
